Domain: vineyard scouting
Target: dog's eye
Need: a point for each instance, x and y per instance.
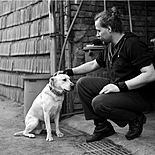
(64, 80)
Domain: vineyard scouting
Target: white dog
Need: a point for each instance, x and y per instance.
(47, 105)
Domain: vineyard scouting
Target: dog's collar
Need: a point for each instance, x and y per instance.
(57, 93)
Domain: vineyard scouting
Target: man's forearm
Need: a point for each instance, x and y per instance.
(85, 68)
(147, 75)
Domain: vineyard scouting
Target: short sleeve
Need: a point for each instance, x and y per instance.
(138, 53)
(101, 60)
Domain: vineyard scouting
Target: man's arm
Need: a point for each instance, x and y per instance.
(86, 68)
(147, 75)
(152, 40)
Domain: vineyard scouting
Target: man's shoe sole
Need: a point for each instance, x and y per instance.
(106, 135)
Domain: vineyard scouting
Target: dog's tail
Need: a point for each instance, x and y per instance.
(20, 133)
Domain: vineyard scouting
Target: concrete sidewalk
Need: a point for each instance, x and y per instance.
(143, 145)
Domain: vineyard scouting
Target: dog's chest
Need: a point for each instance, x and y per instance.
(55, 109)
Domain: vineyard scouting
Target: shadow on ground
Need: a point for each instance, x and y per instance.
(73, 143)
(11, 121)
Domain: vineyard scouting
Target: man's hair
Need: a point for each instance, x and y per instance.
(110, 18)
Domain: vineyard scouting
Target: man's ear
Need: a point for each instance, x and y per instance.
(109, 29)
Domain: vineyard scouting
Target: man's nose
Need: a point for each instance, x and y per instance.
(97, 35)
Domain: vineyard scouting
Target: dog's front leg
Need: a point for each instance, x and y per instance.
(56, 120)
(48, 126)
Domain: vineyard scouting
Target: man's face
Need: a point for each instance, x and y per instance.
(103, 33)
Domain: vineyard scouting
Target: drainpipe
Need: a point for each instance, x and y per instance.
(104, 5)
(52, 32)
(62, 32)
(130, 19)
(68, 26)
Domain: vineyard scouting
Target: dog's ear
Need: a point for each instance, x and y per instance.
(51, 81)
(55, 74)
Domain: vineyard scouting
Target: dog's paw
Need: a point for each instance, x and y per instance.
(59, 134)
(49, 138)
(30, 135)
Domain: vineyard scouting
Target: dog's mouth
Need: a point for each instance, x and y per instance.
(69, 89)
(65, 90)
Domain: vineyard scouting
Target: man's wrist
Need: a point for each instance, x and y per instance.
(122, 86)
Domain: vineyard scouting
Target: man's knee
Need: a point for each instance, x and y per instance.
(80, 82)
(99, 106)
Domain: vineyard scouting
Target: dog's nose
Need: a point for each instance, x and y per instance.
(72, 85)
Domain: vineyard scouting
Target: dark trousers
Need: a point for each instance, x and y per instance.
(120, 107)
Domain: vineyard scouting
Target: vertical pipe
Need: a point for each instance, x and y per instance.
(62, 31)
(105, 5)
(146, 24)
(52, 32)
(68, 26)
(130, 19)
(69, 97)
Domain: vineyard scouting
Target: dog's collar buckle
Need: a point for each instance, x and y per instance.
(57, 93)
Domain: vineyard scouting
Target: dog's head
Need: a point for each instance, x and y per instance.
(61, 82)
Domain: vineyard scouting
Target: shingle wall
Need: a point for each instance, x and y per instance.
(24, 44)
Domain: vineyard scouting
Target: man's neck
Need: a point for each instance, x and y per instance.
(117, 37)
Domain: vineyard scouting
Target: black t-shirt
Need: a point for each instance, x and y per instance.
(125, 60)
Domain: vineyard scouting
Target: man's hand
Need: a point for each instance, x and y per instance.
(152, 40)
(69, 72)
(109, 88)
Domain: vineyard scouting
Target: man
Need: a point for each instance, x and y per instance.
(127, 93)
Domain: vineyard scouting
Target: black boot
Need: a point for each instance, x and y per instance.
(136, 127)
(102, 129)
